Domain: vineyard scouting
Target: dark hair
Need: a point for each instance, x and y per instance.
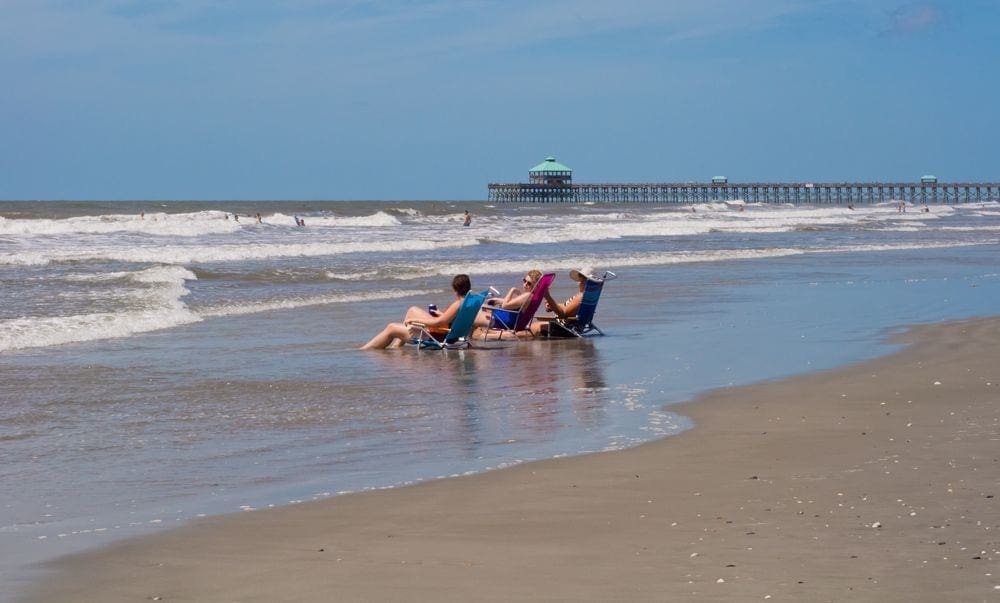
(461, 284)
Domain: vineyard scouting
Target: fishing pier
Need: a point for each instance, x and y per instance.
(552, 182)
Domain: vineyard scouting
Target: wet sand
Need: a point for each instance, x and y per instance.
(874, 482)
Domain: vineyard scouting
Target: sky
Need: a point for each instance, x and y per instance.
(433, 99)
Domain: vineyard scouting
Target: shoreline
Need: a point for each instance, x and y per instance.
(874, 481)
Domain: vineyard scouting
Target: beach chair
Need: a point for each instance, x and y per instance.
(583, 322)
(457, 336)
(515, 322)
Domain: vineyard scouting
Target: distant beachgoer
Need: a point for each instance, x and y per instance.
(142, 215)
(259, 219)
(236, 217)
(850, 206)
(227, 216)
(468, 218)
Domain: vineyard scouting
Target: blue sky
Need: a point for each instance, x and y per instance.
(432, 99)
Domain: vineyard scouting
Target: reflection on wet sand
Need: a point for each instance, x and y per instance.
(487, 397)
(548, 381)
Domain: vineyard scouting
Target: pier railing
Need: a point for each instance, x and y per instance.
(844, 193)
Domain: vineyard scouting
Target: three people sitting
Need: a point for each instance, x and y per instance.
(399, 333)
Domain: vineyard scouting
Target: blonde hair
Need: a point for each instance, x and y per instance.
(534, 275)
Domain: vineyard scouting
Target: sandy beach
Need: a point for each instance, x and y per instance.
(873, 482)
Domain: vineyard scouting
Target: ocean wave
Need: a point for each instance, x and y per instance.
(233, 309)
(160, 224)
(156, 274)
(159, 307)
(201, 254)
(383, 231)
(378, 219)
(21, 333)
(594, 263)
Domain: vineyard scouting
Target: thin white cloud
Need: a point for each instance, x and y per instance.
(406, 26)
(916, 17)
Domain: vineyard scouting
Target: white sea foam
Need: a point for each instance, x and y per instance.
(970, 228)
(317, 300)
(156, 305)
(193, 254)
(718, 217)
(162, 309)
(376, 220)
(380, 232)
(596, 264)
(175, 225)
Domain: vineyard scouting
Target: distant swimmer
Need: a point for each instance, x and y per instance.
(142, 215)
(259, 219)
(468, 218)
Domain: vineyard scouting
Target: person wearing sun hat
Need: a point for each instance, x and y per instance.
(566, 310)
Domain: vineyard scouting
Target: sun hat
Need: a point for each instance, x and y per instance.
(578, 276)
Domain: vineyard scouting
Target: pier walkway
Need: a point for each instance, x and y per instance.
(843, 193)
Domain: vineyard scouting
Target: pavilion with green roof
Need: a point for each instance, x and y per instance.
(551, 173)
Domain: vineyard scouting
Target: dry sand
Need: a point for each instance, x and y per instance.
(875, 482)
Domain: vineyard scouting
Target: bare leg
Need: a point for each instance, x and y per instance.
(393, 332)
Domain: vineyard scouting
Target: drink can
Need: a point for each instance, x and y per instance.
(432, 309)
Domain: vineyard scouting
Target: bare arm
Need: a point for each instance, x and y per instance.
(513, 302)
(442, 320)
(565, 310)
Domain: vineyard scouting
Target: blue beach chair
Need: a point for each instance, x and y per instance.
(583, 323)
(457, 336)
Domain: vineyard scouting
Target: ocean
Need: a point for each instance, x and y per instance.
(162, 361)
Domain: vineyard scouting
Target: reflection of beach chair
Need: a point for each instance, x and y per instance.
(583, 322)
(458, 335)
(514, 322)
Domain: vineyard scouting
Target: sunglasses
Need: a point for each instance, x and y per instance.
(527, 281)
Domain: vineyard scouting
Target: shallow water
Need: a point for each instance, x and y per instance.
(155, 369)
